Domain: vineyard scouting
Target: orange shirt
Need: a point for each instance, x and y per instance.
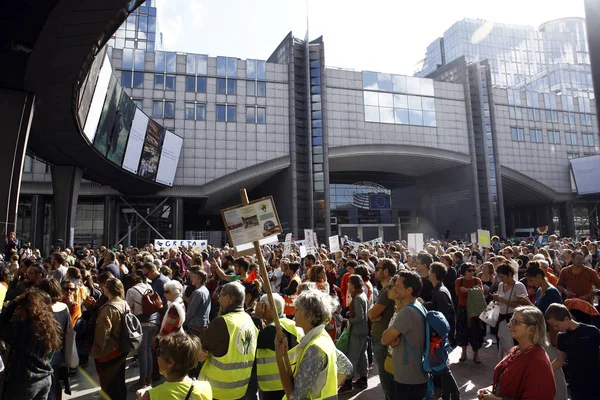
(344, 287)
(468, 283)
(551, 278)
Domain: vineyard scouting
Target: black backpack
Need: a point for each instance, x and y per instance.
(131, 331)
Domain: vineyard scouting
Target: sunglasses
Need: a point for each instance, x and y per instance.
(69, 289)
(514, 321)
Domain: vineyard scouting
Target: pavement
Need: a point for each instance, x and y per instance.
(470, 378)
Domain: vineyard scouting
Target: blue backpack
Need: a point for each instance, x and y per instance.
(437, 347)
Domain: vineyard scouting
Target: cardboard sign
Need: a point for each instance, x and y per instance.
(287, 245)
(163, 244)
(303, 252)
(473, 237)
(415, 242)
(253, 222)
(334, 244)
(483, 238)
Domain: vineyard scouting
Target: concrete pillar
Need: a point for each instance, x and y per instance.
(109, 233)
(66, 180)
(16, 115)
(567, 219)
(177, 215)
(36, 233)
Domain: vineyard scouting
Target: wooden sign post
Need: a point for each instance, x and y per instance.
(270, 225)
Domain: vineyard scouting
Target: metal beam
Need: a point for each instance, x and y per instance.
(143, 220)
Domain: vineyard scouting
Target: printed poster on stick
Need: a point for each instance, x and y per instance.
(253, 222)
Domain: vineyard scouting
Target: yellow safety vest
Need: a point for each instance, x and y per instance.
(229, 375)
(267, 371)
(330, 389)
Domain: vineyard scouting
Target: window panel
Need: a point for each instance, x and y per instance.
(251, 69)
(384, 82)
(232, 67)
(261, 69)
(231, 113)
(221, 86)
(190, 111)
(317, 123)
(221, 66)
(231, 86)
(190, 84)
(386, 115)
(370, 81)
(414, 103)
(251, 115)
(317, 115)
(169, 109)
(157, 109)
(251, 88)
(315, 89)
(126, 79)
(429, 118)
(413, 85)
(427, 87)
(139, 58)
(401, 116)
(200, 112)
(190, 64)
(159, 82)
(261, 115)
(261, 88)
(127, 58)
(138, 80)
(170, 82)
(399, 83)
(400, 101)
(221, 112)
(386, 100)
(415, 117)
(428, 103)
(371, 98)
(371, 114)
(201, 84)
(317, 132)
(171, 62)
(159, 61)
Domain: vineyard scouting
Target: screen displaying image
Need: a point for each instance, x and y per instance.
(96, 107)
(169, 157)
(151, 152)
(135, 143)
(585, 172)
(117, 141)
(88, 87)
(111, 119)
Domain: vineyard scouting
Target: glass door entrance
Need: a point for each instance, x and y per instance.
(366, 232)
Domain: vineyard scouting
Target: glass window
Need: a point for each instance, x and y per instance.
(190, 111)
(370, 81)
(415, 117)
(428, 103)
(138, 80)
(221, 66)
(201, 84)
(126, 79)
(386, 100)
(200, 112)
(400, 101)
(315, 81)
(202, 65)
(371, 114)
(261, 69)
(169, 109)
(315, 72)
(317, 123)
(371, 98)
(231, 86)
(171, 62)
(190, 84)
(315, 64)
(159, 61)
(317, 132)
(261, 88)
(317, 141)
(139, 103)
(170, 82)
(514, 135)
(317, 114)
(427, 87)
(139, 59)
(232, 67)
(429, 118)
(127, 58)
(399, 83)
(157, 108)
(384, 82)
(231, 113)
(414, 103)
(315, 98)
(251, 88)
(221, 86)
(251, 69)
(221, 112)
(401, 116)
(386, 115)
(261, 115)
(413, 85)
(251, 115)
(159, 82)
(190, 64)
(315, 89)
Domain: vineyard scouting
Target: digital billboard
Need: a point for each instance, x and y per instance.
(97, 104)
(585, 171)
(152, 149)
(169, 158)
(135, 144)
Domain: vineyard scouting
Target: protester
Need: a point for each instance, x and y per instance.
(198, 309)
(468, 330)
(175, 315)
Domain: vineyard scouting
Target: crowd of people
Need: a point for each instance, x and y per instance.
(207, 327)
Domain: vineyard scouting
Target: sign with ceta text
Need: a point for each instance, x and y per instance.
(164, 244)
(252, 222)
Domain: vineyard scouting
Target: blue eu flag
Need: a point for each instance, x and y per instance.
(380, 201)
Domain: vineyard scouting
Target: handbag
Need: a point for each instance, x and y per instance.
(71, 356)
(491, 314)
(343, 341)
(388, 364)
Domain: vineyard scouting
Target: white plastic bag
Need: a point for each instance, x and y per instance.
(491, 314)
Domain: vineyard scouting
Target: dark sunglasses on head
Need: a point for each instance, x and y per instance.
(471, 270)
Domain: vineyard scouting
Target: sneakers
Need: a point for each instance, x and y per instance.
(361, 382)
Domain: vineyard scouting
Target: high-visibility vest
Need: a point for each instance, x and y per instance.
(229, 375)
(330, 389)
(288, 307)
(266, 363)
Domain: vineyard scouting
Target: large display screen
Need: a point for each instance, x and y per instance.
(585, 171)
(121, 132)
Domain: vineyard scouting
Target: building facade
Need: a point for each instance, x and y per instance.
(480, 138)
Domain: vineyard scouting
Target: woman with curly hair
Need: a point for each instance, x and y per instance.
(35, 335)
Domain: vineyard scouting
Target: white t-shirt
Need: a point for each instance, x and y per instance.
(134, 297)
(277, 282)
(512, 294)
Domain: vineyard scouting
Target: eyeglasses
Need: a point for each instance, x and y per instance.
(70, 289)
(514, 321)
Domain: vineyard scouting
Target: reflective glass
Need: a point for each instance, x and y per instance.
(399, 83)
(315, 64)
(400, 101)
(261, 115)
(316, 114)
(139, 103)
(221, 86)
(169, 109)
(170, 82)
(138, 80)
(317, 141)
(171, 62)
(250, 88)
(317, 123)
(159, 61)
(139, 56)
(315, 98)
(315, 72)
(413, 85)
(251, 115)
(429, 118)
(317, 150)
(232, 67)
(159, 82)
(317, 132)
(315, 89)
(143, 23)
(190, 84)
(127, 58)
(221, 112)
(401, 116)
(261, 69)
(262, 89)
(202, 65)
(315, 81)
(427, 87)
(384, 82)
(386, 100)
(126, 79)
(231, 86)
(414, 103)
(221, 66)
(200, 112)
(415, 117)
(157, 109)
(428, 103)
(231, 113)
(370, 80)
(251, 69)
(371, 98)
(190, 64)
(371, 114)
(386, 115)
(190, 111)
(201, 84)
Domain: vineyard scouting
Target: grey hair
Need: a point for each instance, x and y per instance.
(538, 257)
(304, 286)
(157, 263)
(317, 305)
(174, 287)
(544, 263)
(236, 291)
(147, 257)
(534, 318)
(277, 299)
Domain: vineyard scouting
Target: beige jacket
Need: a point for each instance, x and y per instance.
(108, 329)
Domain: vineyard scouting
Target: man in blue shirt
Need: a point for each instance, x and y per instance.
(110, 266)
(158, 282)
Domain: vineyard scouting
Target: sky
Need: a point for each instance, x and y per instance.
(376, 35)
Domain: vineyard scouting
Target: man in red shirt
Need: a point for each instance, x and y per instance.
(350, 265)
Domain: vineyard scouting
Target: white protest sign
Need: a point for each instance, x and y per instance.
(287, 245)
(415, 242)
(309, 241)
(473, 237)
(334, 243)
(302, 251)
(197, 245)
(247, 246)
(253, 222)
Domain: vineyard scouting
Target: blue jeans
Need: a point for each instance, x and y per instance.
(386, 379)
(30, 390)
(145, 352)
